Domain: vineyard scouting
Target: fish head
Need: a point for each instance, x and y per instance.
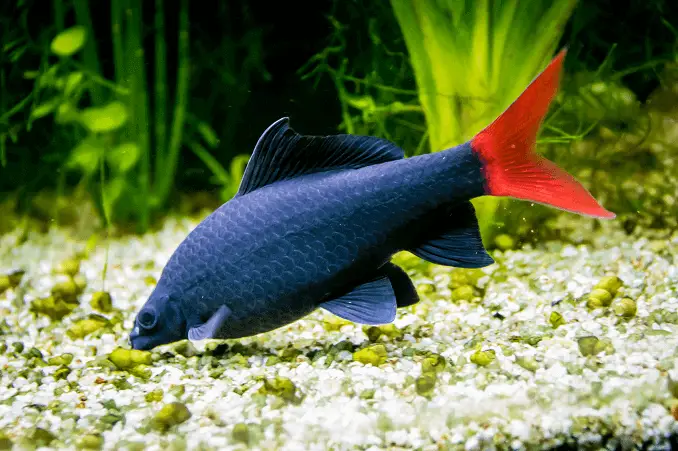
(160, 321)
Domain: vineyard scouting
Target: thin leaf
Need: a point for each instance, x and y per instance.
(43, 109)
(208, 134)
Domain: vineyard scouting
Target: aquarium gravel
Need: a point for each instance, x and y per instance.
(566, 343)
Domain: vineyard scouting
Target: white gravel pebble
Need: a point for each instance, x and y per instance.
(619, 396)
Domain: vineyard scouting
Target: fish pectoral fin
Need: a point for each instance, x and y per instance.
(371, 303)
(211, 327)
(458, 244)
(405, 292)
(281, 153)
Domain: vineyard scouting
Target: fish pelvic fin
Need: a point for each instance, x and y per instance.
(510, 165)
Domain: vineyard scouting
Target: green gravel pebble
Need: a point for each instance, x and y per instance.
(611, 284)
(85, 327)
(367, 394)
(462, 293)
(11, 280)
(53, 307)
(62, 373)
(171, 414)
(282, 387)
(589, 345)
(102, 302)
(598, 298)
(371, 355)
(5, 442)
(672, 386)
(91, 441)
(141, 371)
(528, 363)
(556, 320)
(70, 267)
(63, 359)
(41, 437)
(433, 363)
(241, 433)
(625, 307)
(483, 358)
(425, 384)
(125, 359)
(154, 396)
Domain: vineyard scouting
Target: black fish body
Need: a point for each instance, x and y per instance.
(317, 220)
(275, 254)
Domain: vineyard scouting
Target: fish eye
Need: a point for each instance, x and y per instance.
(148, 319)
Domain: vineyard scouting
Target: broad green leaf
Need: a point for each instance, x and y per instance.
(208, 134)
(123, 157)
(31, 74)
(65, 113)
(106, 118)
(69, 41)
(43, 110)
(113, 190)
(85, 156)
(73, 81)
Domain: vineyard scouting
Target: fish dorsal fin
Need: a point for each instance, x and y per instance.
(281, 153)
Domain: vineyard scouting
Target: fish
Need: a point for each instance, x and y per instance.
(317, 219)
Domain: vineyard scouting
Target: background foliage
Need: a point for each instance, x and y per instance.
(144, 101)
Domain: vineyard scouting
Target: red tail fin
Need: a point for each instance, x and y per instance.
(512, 168)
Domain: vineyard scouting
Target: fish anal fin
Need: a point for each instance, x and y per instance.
(371, 303)
(281, 153)
(455, 240)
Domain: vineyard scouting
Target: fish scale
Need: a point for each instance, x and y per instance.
(317, 219)
(336, 224)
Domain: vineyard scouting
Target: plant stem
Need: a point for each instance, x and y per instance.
(183, 72)
(84, 19)
(117, 10)
(135, 66)
(160, 99)
(59, 21)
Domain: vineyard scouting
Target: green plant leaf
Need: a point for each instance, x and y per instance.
(208, 134)
(73, 80)
(106, 118)
(43, 110)
(85, 156)
(69, 41)
(31, 74)
(123, 157)
(114, 189)
(65, 113)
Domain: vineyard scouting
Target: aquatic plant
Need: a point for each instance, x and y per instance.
(362, 52)
(471, 59)
(128, 130)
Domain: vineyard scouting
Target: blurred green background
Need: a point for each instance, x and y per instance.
(119, 113)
